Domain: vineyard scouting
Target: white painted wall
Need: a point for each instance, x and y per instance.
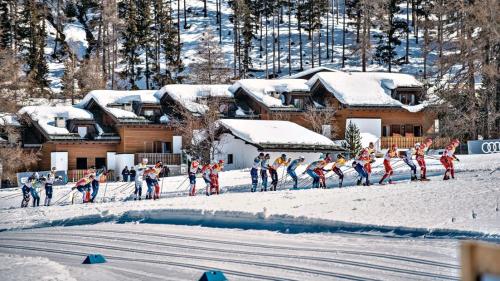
(243, 154)
(372, 126)
(110, 160)
(59, 160)
(176, 144)
(123, 160)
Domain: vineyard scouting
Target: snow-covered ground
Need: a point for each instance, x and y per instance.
(464, 207)
(166, 252)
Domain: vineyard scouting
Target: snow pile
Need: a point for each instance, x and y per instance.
(268, 91)
(76, 38)
(274, 132)
(365, 88)
(15, 268)
(189, 96)
(45, 116)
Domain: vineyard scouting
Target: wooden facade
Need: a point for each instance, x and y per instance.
(145, 139)
(91, 151)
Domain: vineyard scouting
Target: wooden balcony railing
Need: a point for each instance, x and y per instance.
(166, 158)
(407, 142)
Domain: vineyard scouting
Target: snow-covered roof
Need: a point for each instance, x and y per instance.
(262, 89)
(107, 97)
(9, 119)
(45, 116)
(267, 133)
(189, 95)
(365, 88)
(310, 71)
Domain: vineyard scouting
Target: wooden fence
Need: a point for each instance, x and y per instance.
(407, 142)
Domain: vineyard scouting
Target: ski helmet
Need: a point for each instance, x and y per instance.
(394, 146)
(283, 156)
(301, 158)
(455, 142)
(340, 156)
(449, 147)
(221, 161)
(417, 145)
(428, 140)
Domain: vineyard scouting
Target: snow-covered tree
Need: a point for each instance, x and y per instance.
(210, 67)
(353, 139)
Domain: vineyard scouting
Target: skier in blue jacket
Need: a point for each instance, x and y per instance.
(254, 172)
(291, 169)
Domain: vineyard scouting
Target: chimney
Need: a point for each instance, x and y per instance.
(128, 107)
(60, 120)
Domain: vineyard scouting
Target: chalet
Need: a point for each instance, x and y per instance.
(138, 118)
(387, 106)
(270, 98)
(309, 73)
(60, 132)
(242, 140)
(195, 99)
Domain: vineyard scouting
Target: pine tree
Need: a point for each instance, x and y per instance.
(168, 44)
(69, 80)
(131, 46)
(6, 36)
(146, 39)
(392, 29)
(353, 139)
(32, 32)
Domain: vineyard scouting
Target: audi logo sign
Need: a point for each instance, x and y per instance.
(484, 146)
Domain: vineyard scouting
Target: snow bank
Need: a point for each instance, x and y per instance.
(189, 95)
(263, 89)
(15, 268)
(274, 132)
(365, 88)
(45, 116)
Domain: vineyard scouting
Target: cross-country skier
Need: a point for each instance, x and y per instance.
(35, 190)
(254, 172)
(95, 184)
(214, 177)
(311, 170)
(391, 153)
(370, 158)
(264, 165)
(206, 170)
(26, 192)
(157, 169)
(320, 171)
(420, 149)
(49, 183)
(359, 166)
(83, 186)
(273, 169)
(139, 177)
(407, 158)
(336, 168)
(447, 159)
(194, 168)
(292, 167)
(366, 158)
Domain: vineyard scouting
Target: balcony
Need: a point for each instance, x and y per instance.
(165, 158)
(407, 142)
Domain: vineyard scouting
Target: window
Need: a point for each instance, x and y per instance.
(81, 163)
(100, 162)
(82, 131)
(436, 125)
(409, 131)
(149, 113)
(229, 159)
(417, 131)
(298, 103)
(395, 130)
(326, 130)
